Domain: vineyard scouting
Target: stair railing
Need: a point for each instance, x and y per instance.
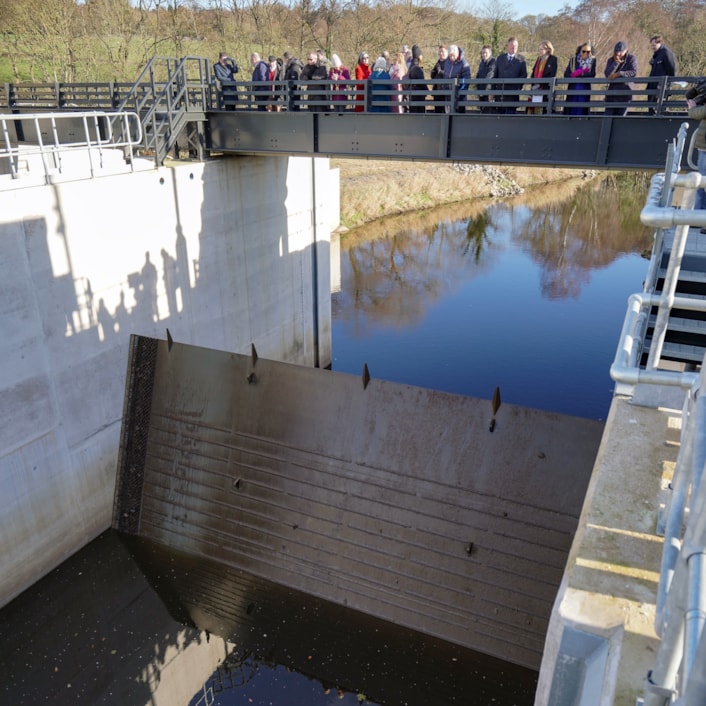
(166, 93)
(679, 671)
(661, 214)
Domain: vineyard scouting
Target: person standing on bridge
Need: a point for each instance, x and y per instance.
(316, 73)
(437, 72)
(544, 67)
(224, 70)
(293, 68)
(415, 73)
(338, 72)
(259, 79)
(620, 66)
(362, 73)
(662, 63)
(380, 85)
(457, 68)
(486, 69)
(509, 65)
(398, 70)
(582, 65)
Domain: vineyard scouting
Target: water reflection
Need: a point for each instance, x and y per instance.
(521, 294)
(130, 622)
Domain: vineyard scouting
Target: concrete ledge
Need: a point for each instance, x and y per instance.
(601, 640)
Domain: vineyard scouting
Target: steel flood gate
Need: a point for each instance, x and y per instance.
(393, 500)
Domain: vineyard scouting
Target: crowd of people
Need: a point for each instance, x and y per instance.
(396, 78)
(403, 70)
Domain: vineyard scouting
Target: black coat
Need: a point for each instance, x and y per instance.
(504, 68)
(486, 69)
(663, 63)
(550, 68)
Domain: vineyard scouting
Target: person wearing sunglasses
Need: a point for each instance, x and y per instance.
(581, 65)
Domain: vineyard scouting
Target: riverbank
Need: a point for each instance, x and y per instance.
(373, 189)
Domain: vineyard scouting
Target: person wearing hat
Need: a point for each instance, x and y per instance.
(415, 101)
(620, 66)
(338, 72)
(379, 87)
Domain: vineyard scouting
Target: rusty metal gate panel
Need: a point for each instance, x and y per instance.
(393, 500)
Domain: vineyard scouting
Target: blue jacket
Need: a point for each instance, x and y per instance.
(375, 78)
(458, 69)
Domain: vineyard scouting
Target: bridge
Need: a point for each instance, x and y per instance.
(182, 108)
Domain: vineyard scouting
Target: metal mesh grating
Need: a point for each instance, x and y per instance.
(134, 433)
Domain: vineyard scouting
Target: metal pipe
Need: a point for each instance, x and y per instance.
(695, 616)
(624, 368)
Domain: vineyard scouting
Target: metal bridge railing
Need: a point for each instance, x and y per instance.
(90, 133)
(679, 672)
(587, 97)
(165, 77)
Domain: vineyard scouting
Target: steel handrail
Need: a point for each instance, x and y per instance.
(97, 135)
(680, 617)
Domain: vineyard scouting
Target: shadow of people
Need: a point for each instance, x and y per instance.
(144, 284)
(170, 276)
(106, 322)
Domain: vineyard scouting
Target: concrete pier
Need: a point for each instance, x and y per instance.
(224, 254)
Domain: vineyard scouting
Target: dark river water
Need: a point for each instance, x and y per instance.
(528, 295)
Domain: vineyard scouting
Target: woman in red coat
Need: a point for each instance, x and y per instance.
(362, 72)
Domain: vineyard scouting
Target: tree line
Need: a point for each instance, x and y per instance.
(103, 40)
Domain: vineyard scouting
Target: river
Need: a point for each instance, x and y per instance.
(527, 295)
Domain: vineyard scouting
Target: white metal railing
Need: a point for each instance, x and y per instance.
(679, 671)
(42, 134)
(660, 213)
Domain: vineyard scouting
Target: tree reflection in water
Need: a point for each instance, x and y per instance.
(396, 266)
(518, 294)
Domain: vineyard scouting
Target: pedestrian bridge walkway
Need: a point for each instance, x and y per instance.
(182, 109)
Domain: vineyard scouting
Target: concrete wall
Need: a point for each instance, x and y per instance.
(223, 253)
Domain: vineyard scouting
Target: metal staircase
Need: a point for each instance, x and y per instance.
(171, 96)
(685, 335)
(663, 340)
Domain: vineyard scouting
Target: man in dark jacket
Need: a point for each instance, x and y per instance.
(456, 67)
(315, 72)
(293, 68)
(259, 74)
(509, 65)
(224, 70)
(486, 69)
(662, 63)
(437, 72)
(621, 65)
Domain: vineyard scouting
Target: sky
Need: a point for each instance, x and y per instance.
(520, 8)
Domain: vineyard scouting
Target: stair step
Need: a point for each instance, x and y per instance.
(679, 351)
(682, 325)
(698, 276)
